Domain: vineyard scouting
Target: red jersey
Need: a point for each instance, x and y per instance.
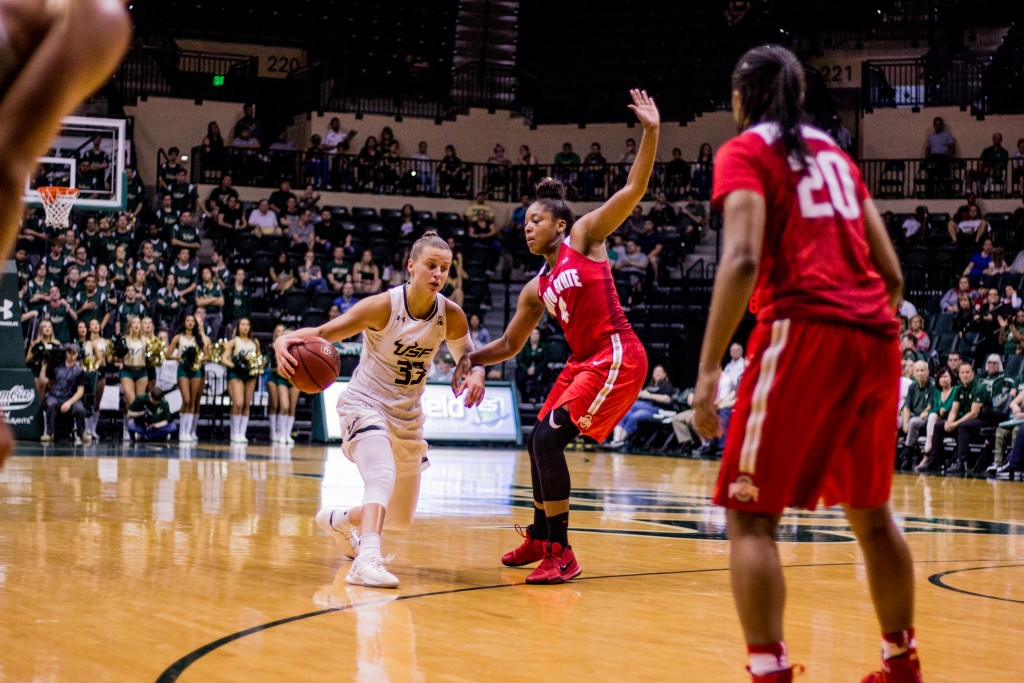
(815, 262)
(580, 294)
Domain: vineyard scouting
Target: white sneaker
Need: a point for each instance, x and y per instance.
(78, 441)
(347, 539)
(369, 570)
(87, 438)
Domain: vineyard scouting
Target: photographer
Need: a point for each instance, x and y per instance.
(1011, 334)
(149, 416)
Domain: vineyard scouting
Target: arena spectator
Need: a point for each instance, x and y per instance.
(916, 407)
(1011, 333)
(348, 297)
(942, 403)
(263, 220)
(656, 396)
(169, 303)
(841, 134)
(677, 175)
(301, 235)
(737, 363)
(916, 329)
(971, 412)
(634, 264)
(237, 299)
(499, 173)
(566, 167)
(311, 275)
(222, 192)
(980, 261)
(337, 270)
(948, 303)
(626, 160)
(998, 265)
(532, 369)
(214, 159)
(692, 215)
(452, 174)
(135, 193)
(167, 171)
(282, 274)
(66, 393)
(963, 318)
(1018, 169)
(525, 170)
(701, 174)
(478, 332)
(662, 213)
(595, 171)
(368, 163)
(993, 166)
(915, 228)
(335, 141)
(210, 296)
(91, 303)
(248, 121)
(479, 208)
(422, 170)
(184, 196)
(60, 314)
(366, 276)
(939, 149)
(908, 348)
(970, 230)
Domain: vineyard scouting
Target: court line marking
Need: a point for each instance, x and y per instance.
(175, 670)
(936, 580)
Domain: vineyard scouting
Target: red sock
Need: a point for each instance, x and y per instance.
(764, 659)
(897, 643)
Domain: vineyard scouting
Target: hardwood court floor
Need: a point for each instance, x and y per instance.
(162, 565)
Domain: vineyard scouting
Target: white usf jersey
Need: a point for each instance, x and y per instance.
(392, 370)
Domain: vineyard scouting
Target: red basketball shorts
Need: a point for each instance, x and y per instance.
(599, 390)
(815, 419)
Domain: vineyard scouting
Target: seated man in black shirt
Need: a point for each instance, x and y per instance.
(67, 389)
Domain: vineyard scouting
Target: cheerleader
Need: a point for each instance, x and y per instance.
(39, 353)
(241, 385)
(134, 378)
(282, 397)
(99, 348)
(186, 347)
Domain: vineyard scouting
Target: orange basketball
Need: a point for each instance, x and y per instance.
(317, 365)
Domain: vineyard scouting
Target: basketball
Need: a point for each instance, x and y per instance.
(317, 365)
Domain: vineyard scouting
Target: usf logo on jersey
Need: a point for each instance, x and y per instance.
(413, 350)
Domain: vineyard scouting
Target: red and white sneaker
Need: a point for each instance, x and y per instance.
(558, 566)
(903, 669)
(784, 676)
(531, 550)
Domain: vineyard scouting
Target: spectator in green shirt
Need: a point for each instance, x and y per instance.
(994, 160)
(971, 412)
(149, 416)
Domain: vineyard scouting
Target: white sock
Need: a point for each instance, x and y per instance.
(243, 425)
(339, 520)
(273, 428)
(289, 422)
(234, 427)
(369, 544)
(182, 426)
(194, 423)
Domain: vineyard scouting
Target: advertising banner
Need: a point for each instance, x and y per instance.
(496, 420)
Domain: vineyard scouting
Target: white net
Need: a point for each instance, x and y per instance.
(57, 203)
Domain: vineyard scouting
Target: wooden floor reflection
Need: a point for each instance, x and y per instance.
(206, 565)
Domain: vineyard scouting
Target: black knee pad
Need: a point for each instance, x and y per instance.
(552, 434)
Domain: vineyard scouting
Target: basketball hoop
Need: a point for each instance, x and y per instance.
(57, 202)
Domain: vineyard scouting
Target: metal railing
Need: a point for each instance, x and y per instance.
(916, 83)
(170, 72)
(434, 177)
(941, 178)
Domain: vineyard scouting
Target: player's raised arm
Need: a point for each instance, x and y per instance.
(372, 312)
(601, 222)
(528, 313)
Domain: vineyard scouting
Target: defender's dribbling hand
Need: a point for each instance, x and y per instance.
(705, 417)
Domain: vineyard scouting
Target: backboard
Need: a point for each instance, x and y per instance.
(85, 139)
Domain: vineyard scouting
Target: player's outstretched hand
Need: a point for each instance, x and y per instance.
(705, 416)
(285, 361)
(645, 109)
(473, 385)
(460, 376)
